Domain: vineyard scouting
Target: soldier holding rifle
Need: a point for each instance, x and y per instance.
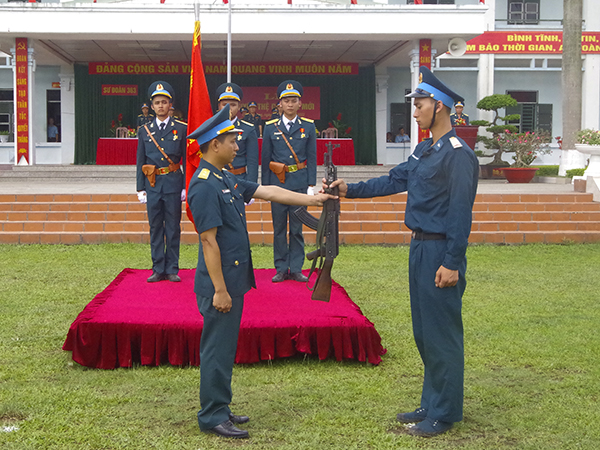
(441, 180)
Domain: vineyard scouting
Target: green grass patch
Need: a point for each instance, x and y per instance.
(531, 316)
(547, 171)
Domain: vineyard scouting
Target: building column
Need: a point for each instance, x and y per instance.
(485, 83)
(381, 115)
(67, 114)
(414, 82)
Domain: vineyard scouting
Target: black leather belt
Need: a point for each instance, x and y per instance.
(420, 236)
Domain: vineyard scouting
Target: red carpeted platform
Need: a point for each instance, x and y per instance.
(133, 321)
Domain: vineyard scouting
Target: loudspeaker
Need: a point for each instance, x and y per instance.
(457, 47)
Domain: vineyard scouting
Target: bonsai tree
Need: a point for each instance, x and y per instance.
(494, 103)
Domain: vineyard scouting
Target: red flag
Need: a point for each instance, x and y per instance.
(162, 1)
(199, 109)
(418, 2)
(289, 2)
(354, 2)
(225, 1)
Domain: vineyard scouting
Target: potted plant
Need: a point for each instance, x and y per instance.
(3, 136)
(525, 146)
(494, 103)
(588, 142)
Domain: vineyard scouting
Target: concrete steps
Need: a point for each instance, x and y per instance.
(497, 219)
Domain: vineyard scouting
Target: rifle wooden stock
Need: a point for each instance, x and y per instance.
(322, 289)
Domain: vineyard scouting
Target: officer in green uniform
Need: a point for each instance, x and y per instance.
(145, 117)
(245, 164)
(254, 118)
(162, 144)
(459, 118)
(441, 179)
(224, 272)
(289, 142)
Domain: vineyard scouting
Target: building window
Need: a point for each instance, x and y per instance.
(534, 116)
(6, 111)
(53, 114)
(523, 12)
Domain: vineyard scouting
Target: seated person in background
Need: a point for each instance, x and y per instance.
(401, 137)
(458, 118)
(145, 117)
(52, 131)
(389, 137)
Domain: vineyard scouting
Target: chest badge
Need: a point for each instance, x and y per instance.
(455, 142)
(204, 173)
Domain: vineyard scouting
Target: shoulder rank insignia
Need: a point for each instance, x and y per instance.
(181, 122)
(271, 121)
(247, 123)
(204, 173)
(307, 120)
(455, 142)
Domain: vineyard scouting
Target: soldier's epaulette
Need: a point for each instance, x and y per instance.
(307, 120)
(466, 115)
(180, 121)
(247, 123)
(271, 121)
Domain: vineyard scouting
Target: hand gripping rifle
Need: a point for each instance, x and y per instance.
(327, 227)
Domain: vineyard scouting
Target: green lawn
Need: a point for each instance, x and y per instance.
(532, 377)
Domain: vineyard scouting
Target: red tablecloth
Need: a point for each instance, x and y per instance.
(116, 152)
(112, 151)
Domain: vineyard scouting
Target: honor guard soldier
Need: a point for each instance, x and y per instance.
(245, 164)
(243, 111)
(459, 118)
(161, 181)
(145, 117)
(224, 272)
(441, 179)
(254, 118)
(289, 148)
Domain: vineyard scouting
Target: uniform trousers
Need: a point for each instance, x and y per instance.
(164, 217)
(218, 346)
(438, 330)
(287, 255)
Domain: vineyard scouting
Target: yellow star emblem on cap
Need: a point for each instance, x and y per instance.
(289, 86)
(228, 89)
(159, 87)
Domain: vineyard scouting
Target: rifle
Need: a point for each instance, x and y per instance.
(327, 227)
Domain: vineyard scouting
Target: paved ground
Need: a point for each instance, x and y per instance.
(485, 187)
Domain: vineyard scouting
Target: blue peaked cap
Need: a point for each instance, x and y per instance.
(214, 127)
(430, 87)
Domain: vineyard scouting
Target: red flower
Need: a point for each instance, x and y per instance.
(339, 117)
(348, 130)
(120, 117)
(112, 124)
(330, 125)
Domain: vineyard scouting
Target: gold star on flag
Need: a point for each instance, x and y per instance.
(425, 47)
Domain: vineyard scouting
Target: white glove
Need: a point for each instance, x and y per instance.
(142, 196)
(310, 191)
(183, 195)
(250, 202)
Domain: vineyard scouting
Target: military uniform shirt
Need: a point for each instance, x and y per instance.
(454, 117)
(142, 120)
(247, 155)
(441, 181)
(216, 199)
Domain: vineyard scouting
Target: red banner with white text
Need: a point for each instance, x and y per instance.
(22, 88)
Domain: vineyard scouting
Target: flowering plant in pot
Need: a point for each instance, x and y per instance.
(588, 142)
(526, 148)
(114, 124)
(588, 137)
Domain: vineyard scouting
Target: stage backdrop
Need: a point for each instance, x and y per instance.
(351, 95)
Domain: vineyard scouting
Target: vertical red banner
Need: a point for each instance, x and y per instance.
(22, 88)
(424, 60)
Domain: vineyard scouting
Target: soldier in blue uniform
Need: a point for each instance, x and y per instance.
(224, 272)
(162, 144)
(145, 117)
(441, 180)
(289, 142)
(459, 115)
(254, 118)
(275, 112)
(245, 164)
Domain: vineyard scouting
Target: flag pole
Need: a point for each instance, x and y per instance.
(229, 45)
